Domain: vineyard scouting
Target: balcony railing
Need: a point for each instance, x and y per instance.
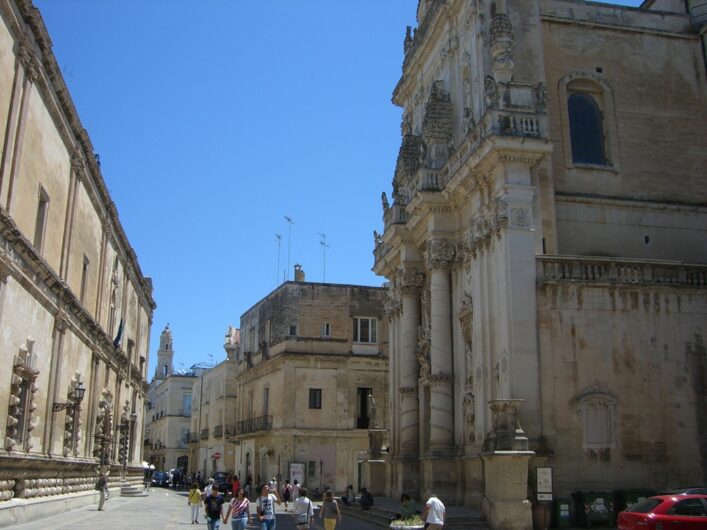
(262, 423)
(229, 430)
(218, 431)
(205, 433)
(193, 437)
(620, 271)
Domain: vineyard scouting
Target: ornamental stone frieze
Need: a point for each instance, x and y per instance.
(440, 254)
(408, 391)
(29, 62)
(441, 378)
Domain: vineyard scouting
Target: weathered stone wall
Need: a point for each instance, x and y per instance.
(642, 346)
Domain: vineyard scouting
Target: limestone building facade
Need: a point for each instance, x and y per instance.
(547, 241)
(213, 415)
(75, 308)
(310, 356)
(169, 406)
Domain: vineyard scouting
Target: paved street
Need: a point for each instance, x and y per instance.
(163, 509)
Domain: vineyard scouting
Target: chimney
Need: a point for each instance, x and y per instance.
(299, 273)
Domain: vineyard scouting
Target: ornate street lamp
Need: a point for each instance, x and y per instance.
(77, 398)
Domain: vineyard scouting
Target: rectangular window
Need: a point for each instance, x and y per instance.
(41, 220)
(365, 329)
(266, 399)
(326, 329)
(315, 398)
(293, 330)
(362, 412)
(311, 468)
(84, 279)
(186, 405)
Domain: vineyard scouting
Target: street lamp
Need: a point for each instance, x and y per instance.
(76, 399)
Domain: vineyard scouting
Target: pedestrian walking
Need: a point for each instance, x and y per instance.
(434, 513)
(303, 509)
(213, 506)
(266, 507)
(238, 510)
(287, 492)
(102, 488)
(296, 490)
(194, 501)
(329, 511)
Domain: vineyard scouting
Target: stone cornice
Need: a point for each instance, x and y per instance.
(19, 258)
(75, 136)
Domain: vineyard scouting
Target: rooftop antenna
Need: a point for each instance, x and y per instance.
(325, 246)
(277, 271)
(211, 360)
(290, 222)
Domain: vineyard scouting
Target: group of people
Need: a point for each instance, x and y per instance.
(217, 511)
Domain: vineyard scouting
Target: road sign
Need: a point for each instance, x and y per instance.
(217, 455)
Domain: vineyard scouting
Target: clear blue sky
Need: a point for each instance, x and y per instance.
(214, 119)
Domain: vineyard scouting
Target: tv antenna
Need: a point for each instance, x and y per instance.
(290, 222)
(325, 245)
(278, 237)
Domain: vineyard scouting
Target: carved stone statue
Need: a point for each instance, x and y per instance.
(377, 238)
(372, 414)
(470, 416)
(384, 202)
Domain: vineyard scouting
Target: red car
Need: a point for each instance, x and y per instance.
(666, 512)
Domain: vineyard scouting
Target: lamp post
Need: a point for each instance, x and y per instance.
(73, 406)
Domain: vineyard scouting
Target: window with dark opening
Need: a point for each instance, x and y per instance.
(586, 130)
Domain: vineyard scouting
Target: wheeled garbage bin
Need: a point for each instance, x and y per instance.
(593, 507)
(561, 517)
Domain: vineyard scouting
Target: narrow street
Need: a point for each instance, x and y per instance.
(162, 509)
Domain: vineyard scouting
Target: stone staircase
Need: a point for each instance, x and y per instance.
(381, 516)
(128, 489)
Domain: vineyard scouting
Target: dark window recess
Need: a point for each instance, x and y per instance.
(586, 130)
(315, 398)
(293, 330)
(363, 414)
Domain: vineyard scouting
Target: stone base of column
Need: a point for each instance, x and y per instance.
(505, 503)
(406, 473)
(473, 482)
(442, 475)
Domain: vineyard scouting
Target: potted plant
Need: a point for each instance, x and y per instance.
(409, 523)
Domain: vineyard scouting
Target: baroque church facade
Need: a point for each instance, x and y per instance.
(546, 246)
(75, 308)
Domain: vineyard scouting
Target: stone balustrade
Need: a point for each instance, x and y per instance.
(396, 214)
(622, 271)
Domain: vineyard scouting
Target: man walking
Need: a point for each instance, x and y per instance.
(434, 513)
(102, 487)
(213, 506)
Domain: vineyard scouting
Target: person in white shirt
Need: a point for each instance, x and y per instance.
(434, 513)
(303, 509)
(266, 507)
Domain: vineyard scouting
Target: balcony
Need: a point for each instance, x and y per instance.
(205, 434)
(229, 430)
(218, 431)
(193, 437)
(611, 271)
(261, 423)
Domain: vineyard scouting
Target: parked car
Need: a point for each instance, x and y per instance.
(221, 479)
(160, 478)
(665, 512)
(699, 490)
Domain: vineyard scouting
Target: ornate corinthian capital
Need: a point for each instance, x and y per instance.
(411, 282)
(440, 254)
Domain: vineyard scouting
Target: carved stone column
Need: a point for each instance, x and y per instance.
(409, 411)
(440, 255)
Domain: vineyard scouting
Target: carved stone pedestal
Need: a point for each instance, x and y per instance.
(505, 469)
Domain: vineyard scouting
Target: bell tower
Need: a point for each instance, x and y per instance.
(164, 355)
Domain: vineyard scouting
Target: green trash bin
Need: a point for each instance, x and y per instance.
(593, 507)
(561, 513)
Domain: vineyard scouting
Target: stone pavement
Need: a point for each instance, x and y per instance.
(162, 509)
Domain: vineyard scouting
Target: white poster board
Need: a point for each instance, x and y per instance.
(544, 483)
(297, 473)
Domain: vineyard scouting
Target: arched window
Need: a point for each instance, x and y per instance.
(586, 129)
(589, 129)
